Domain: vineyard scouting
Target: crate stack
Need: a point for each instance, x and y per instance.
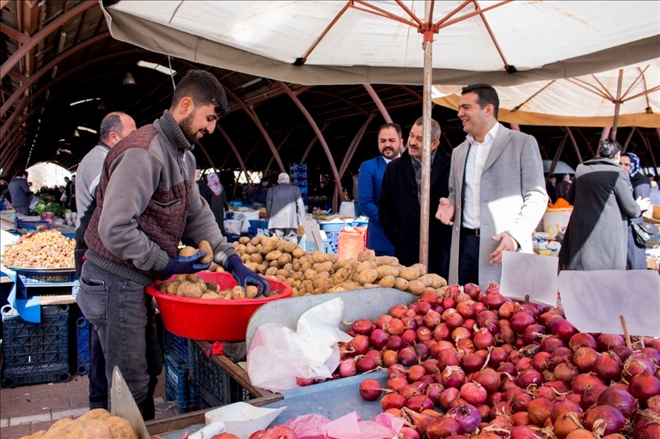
(298, 175)
(177, 376)
(36, 352)
(82, 345)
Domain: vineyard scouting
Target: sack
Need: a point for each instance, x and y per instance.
(646, 234)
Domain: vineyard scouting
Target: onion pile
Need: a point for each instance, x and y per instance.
(500, 368)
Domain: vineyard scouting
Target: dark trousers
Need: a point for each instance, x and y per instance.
(384, 252)
(468, 265)
(98, 383)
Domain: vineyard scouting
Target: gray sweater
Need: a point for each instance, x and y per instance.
(88, 176)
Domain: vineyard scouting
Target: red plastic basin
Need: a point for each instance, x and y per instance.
(219, 319)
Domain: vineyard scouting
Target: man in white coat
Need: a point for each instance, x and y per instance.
(497, 191)
(284, 204)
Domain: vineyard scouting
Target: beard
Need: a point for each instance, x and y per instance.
(186, 127)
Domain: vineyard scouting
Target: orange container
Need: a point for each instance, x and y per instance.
(214, 320)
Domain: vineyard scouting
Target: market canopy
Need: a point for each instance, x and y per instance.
(361, 41)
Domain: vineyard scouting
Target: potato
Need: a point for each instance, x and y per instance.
(193, 278)
(162, 287)
(181, 278)
(438, 281)
(291, 247)
(387, 281)
(120, 428)
(323, 266)
(386, 270)
(367, 255)
(256, 240)
(367, 276)
(219, 269)
(189, 289)
(273, 255)
(333, 257)
(256, 257)
(344, 263)
(202, 285)
(225, 294)
(387, 260)
(288, 267)
(366, 265)
(282, 246)
(298, 253)
(250, 249)
(173, 287)
(268, 245)
(213, 267)
(187, 251)
(65, 421)
(204, 246)
(243, 240)
(210, 295)
(38, 435)
(237, 292)
(320, 257)
(308, 286)
(370, 286)
(321, 283)
(323, 273)
(416, 287)
(295, 292)
(426, 280)
(296, 284)
(310, 274)
(351, 285)
(240, 249)
(421, 268)
(271, 271)
(409, 273)
(305, 266)
(80, 429)
(261, 268)
(340, 276)
(273, 264)
(336, 289)
(401, 284)
(284, 259)
(212, 286)
(251, 292)
(296, 266)
(283, 273)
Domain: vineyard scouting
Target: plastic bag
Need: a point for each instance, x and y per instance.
(278, 354)
(349, 426)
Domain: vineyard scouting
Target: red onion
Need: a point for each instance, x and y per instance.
(347, 368)
(559, 355)
(546, 392)
(472, 362)
(488, 319)
(533, 334)
(529, 376)
(653, 343)
(483, 339)
(531, 308)
(465, 345)
(609, 341)
(489, 379)
(582, 339)
(378, 338)
(653, 402)
(432, 319)
(429, 296)
(278, 432)
(524, 363)
(647, 424)
(566, 372)
(497, 356)
(539, 410)
(442, 428)
(433, 391)
(493, 300)
(416, 372)
(377, 356)
(473, 393)
(302, 382)
(546, 316)
(453, 320)
(559, 386)
(448, 357)
(418, 403)
(440, 346)
(408, 433)
(360, 344)
(520, 321)
(523, 432)
(614, 419)
(424, 334)
(394, 327)
(478, 307)
(409, 337)
(623, 352)
(519, 402)
(423, 308)
(410, 322)
(392, 400)
(407, 356)
(507, 368)
(540, 361)
(382, 320)
(397, 384)
(412, 309)
(644, 386)
(484, 412)
(365, 364)
(398, 311)
(396, 370)
(652, 353)
(508, 309)
(448, 397)
(453, 376)
(448, 303)
(552, 343)
(581, 381)
(465, 308)
(467, 416)
(395, 343)
(442, 332)
(472, 290)
(431, 366)
(565, 424)
(562, 406)
(590, 395)
(520, 418)
(505, 334)
(460, 333)
(390, 357)
(607, 366)
(370, 389)
(584, 359)
(422, 351)
(565, 331)
(619, 399)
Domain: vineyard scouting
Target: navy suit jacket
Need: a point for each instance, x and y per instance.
(369, 182)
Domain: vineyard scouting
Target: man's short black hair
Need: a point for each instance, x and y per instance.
(111, 124)
(203, 88)
(396, 126)
(486, 94)
(608, 148)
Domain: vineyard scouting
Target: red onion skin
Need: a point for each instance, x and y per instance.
(560, 355)
(448, 357)
(467, 416)
(453, 376)
(488, 379)
(653, 402)
(519, 402)
(507, 367)
(529, 376)
(581, 381)
(378, 338)
(365, 364)
(623, 352)
(465, 309)
(483, 339)
(614, 418)
(547, 393)
(433, 391)
(590, 395)
(396, 384)
(523, 364)
(409, 337)
(418, 403)
(607, 366)
(473, 393)
(422, 351)
(561, 406)
(520, 418)
(431, 366)
(533, 334)
(448, 396)
(520, 321)
(584, 359)
(407, 356)
(508, 309)
(392, 400)
(565, 330)
(552, 343)
(432, 319)
(497, 356)
(442, 332)
(620, 400)
(609, 341)
(493, 300)
(466, 345)
(395, 343)
(652, 353)
(370, 389)
(539, 410)
(540, 361)
(559, 386)
(443, 427)
(523, 432)
(472, 362)
(566, 372)
(460, 333)
(382, 320)
(469, 324)
(424, 334)
(377, 356)
(423, 308)
(398, 311)
(582, 339)
(453, 320)
(347, 368)
(429, 296)
(644, 386)
(415, 372)
(397, 370)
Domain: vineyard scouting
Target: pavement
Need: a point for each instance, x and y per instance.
(28, 409)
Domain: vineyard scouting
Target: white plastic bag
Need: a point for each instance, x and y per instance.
(278, 355)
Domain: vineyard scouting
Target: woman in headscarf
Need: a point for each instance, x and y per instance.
(217, 199)
(641, 187)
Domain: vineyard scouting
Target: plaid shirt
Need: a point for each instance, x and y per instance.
(417, 167)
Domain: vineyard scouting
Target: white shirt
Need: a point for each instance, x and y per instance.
(476, 160)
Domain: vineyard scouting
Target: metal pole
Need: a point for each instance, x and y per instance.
(425, 199)
(617, 105)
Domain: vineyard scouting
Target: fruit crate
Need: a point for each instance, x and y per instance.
(212, 385)
(82, 345)
(36, 352)
(177, 387)
(175, 346)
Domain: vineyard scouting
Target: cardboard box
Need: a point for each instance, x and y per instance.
(652, 215)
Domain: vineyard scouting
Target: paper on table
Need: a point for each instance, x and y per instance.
(594, 300)
(529, 274)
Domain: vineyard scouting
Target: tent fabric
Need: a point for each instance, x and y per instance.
(572, 102)
(543, 40)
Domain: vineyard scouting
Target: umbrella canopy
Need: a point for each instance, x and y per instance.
(560, 167)
(588, 101)
(364, 41)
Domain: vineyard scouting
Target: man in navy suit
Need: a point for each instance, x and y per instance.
(390, 145)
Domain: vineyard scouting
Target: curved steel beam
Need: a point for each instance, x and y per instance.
(354, 145)
(270, 162)
(39, 73)
(309, 148)
(378, 102)
(315, 127)
(42, 34)
(233, 148)
(337, 98)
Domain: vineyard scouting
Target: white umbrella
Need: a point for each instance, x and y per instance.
(368, 41)
(560, 167)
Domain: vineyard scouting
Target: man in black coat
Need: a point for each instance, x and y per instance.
(399, 202)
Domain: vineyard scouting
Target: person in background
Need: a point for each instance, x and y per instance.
(596, 237)
(550, 188)
(562, 188)
(641, 187)
(217, 199)
(259, 194)
(496, 191)
(370, 179)
(4, 192)
(284, 203)
(114, 127)
(146, 199)
(399, 208)
(19, 193)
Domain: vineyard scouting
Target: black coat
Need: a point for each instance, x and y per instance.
(637, 255)
(399, 212)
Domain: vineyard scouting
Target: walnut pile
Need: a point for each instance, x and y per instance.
(46, 248)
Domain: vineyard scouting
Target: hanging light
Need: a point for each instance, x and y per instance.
(76, 133)
(129, 80)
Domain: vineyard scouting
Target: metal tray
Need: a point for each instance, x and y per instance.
(36, 271)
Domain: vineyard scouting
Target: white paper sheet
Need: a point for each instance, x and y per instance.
(529, 274)
(594, 301)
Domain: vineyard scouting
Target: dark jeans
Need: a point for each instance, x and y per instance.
(468, 265)
(124, 318)
(384, 252)
(98, 383)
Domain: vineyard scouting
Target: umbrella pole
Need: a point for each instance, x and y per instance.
(425, 198)
(617, 106)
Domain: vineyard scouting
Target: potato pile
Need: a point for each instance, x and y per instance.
(95, 424)
(45, 248)
(317, 273)
(192, 286)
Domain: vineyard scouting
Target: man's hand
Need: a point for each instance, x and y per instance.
(445, 212)
(244, 276)
(186, 264)
(507, 243)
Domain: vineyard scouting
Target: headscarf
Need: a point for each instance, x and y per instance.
(214, 184)
(634, 163)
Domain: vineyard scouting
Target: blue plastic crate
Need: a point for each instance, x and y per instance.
(36, 352)
(177, 388)
(175, 346)
(82, 345)
(333, 237)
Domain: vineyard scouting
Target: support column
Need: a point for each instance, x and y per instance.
(270, 162)
(233, 148)
(353, 146)
(648, 148)
(575, 145)
(625, 145)
(379, 103)
(557, 155)
(309, 148)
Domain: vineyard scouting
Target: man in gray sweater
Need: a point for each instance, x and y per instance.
(114, 127)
